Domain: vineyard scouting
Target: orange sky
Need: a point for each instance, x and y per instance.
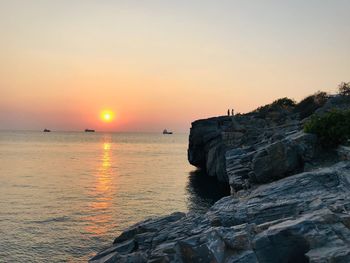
(162, 64)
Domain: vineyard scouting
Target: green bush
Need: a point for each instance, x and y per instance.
(310, 104)
(332, 128)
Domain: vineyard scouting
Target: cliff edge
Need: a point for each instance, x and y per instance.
(289, 202)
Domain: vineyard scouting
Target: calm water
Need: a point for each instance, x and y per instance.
(66, 195)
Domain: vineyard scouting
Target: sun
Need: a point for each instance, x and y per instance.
(107, 116)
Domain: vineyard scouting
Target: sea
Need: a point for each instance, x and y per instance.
(64, 196)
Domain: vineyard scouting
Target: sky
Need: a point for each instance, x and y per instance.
(163, 64)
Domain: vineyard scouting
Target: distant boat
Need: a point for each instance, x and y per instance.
(47, 130)
(88, 130)
(167, 132)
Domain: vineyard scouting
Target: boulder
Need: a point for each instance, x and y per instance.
(300, 218)
(343, 152)
(271, 161)
(335, 102)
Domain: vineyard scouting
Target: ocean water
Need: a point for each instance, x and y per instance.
(66, 195)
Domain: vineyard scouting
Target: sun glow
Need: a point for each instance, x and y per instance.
(107, 116)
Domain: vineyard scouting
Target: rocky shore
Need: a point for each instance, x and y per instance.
(289, 202)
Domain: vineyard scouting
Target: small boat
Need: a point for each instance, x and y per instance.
(167, 132)
(47, 130)
(88, 130)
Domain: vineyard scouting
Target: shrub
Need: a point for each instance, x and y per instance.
(332, 128)
(310, 104)
(277, 105)
(344, 88)
(284, 102)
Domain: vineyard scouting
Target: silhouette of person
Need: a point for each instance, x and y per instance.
(228, 112)
(232, 112)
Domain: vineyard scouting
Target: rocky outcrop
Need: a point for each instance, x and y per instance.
(343, 152)
(335, 102)
(257, 147)
(301, 218)
(206, 147)
(245, 149)
(290, 199)
(270, 161)
(211, 139)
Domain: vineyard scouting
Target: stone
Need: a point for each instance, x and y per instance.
(290, 198)
(343, 152)
(206, 148)
(275, 161)
(212, 141)
(300, 218)
(269, 162)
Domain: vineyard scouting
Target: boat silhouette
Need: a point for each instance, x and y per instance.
(167, 132)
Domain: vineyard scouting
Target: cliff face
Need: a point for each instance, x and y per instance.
(258, 147)
(235, 148)
(206, 147)
(290, 199)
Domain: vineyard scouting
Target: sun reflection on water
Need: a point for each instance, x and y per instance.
(102, 192)
(106, 146)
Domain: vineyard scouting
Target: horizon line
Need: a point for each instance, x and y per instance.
(96, 131)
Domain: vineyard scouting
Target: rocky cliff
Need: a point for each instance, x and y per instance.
(289, 203)
(207, 147)
(261, 146)
(225, 147)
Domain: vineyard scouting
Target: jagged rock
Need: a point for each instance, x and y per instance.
(335, 102)
(277, 213)
(300, 218)
(206, 148)
(269, 162)
(283, 157)
(343, 152)
(275, 161)
(212, 139)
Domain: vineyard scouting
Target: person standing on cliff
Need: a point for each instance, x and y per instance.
(232, 112)
(228, 112)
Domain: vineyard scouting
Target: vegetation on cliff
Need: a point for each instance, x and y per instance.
(282, 104)
(331, 128)
(306, 107)
(344, 88)
(310, 104)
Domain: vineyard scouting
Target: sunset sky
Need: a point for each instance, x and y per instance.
(162, 64)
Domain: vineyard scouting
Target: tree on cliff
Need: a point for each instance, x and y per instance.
(344, 88)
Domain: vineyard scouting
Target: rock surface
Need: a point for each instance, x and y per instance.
(211, 139)
(257, 147)
(206, 147)
(290, 199)
(301, 218)
(270, 161)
